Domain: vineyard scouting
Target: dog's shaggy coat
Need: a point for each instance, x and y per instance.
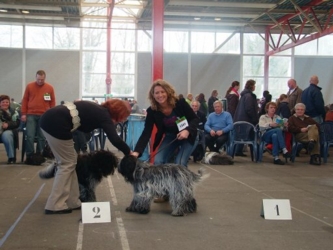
(90, 170)
(171, 180)
(214, 158)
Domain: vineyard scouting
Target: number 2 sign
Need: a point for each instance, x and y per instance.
(273, 209)
(96, 212)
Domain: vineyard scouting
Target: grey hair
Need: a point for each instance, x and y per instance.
(195, 101)
(218, 101)
(300, 105)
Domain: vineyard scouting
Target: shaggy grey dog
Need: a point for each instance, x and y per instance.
(171, 180)
(214, 158)
(90, 170)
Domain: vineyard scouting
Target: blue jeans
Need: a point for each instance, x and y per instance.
(318, 119)
(33, 130)
(7, 139)
(185, 150)
(275, 136)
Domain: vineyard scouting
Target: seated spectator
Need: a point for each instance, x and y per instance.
(306, 130)
(203, 104)
(329, 114)
(9, 122)
(217, 127)
(202, 117)
(189, 98)
(271, 126)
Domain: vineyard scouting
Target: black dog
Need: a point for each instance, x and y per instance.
(90, 170)
(174, 181)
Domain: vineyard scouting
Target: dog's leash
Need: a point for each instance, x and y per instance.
(160, 149)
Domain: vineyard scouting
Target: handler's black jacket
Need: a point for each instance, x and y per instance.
(156, 118)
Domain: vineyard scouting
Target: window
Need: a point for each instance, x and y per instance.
(39, 37)
(66, 38)
(175, 41)
(231, 43)
(253, 44)
(11, 36)
(202, 42)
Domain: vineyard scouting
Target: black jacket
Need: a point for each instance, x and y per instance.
(156, 118)
(247, 109)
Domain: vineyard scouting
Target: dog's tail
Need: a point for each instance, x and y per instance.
(48, 172)
(203, 174)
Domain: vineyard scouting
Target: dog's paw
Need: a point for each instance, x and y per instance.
(178, 214)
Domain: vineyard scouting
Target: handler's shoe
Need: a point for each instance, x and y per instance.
(64, 211)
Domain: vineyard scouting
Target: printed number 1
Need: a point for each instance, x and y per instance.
(277, 210)
(96, 210)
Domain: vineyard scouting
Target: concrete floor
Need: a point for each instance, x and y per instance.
(228, 217)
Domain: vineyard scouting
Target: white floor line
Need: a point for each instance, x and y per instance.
(269, 196)
(120, 224)
(11, 229)
(80, 236)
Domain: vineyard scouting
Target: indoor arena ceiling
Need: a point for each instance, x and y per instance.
(306, 15)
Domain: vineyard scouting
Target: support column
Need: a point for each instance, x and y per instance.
(266, 60)
(157, 53)
(108, 79)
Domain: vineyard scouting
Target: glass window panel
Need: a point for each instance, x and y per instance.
(253, 66)
(38, 37)
(175, 41)
(325, 45)
(94, 39)
(123, 40)
(309, 48)
(11, 36)
(253, 44)
(94, 62)
(122, 62)
(284, 39)
(144, 41)
(66, 38)
(277, 86)
(122, 85)
(279, 66)
(93, 84)
(202, 42)
(232, 46)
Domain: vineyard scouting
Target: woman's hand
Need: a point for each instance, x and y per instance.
(183, 134)
(136, 154)
(4, 125)
(273, 125)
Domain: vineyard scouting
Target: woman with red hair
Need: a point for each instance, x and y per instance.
(57, 125)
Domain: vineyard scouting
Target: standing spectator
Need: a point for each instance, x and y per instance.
(294, 95)
(266, 98)
(135, 108)
(306, 130)
(313, 100)
(195, 105)
(211, 100)
(232, 97)
(189, 98)
(283, 107)
(203, 104)
(217, 127)
(38, 97)
(9, 122)
(329, 114)
(247, 109)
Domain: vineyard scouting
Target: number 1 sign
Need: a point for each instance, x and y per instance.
(96, 212)
(273, 209)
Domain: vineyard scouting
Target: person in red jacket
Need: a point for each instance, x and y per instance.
(37, 99)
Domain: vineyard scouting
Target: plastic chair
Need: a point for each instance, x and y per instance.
(326, 138)
(244, 133)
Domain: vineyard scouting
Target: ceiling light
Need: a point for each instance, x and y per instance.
(2, 10)
(197, 18)
(25, 11)
(217, 19)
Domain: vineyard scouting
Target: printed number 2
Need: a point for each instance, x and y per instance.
(277, 210)
(96, 210)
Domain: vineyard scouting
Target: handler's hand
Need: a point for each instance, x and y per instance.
(183, 134)
(136, 154)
